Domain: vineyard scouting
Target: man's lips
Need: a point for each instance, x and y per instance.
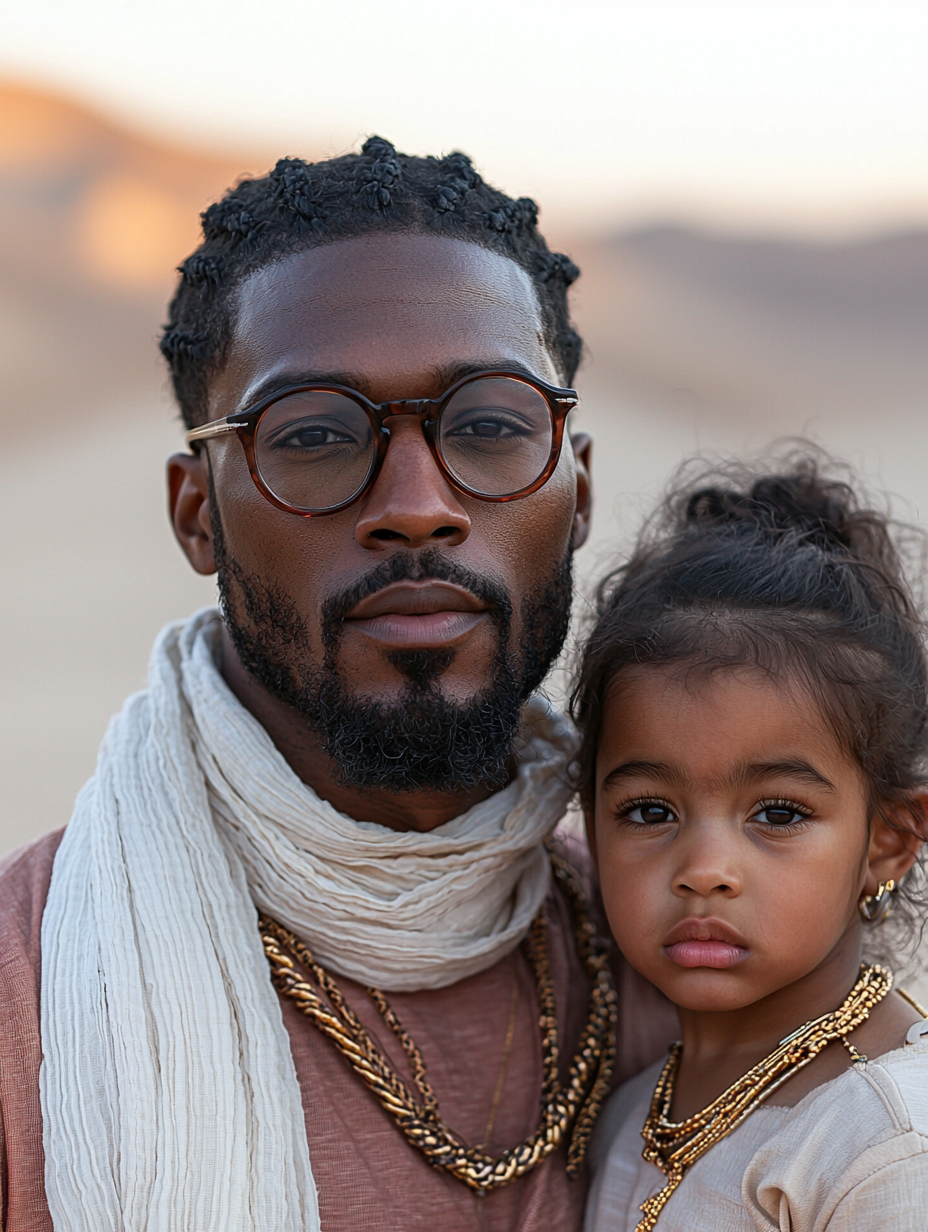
(705, 943)
(426, 614)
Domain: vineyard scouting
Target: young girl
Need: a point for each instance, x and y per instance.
(754, 709)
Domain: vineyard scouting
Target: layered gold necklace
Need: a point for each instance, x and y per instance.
(568, 1111)
(674, 1146)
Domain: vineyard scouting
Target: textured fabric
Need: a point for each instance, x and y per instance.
(369, 1179)
(24, 878)
(852, 1155)
(164, 1050)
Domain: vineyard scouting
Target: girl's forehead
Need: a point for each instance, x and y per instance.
(718, 724)
(690, 685)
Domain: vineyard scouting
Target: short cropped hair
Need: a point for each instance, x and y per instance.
(301, 205)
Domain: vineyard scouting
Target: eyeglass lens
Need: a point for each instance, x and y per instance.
(495, 434)
(316, 449)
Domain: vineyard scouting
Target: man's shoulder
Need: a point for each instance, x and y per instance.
(571, 845)
(25, 875)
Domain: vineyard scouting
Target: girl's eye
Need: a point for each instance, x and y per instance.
(648, 813)
(780, 813)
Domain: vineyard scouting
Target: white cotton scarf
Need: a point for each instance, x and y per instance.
(169, 1097)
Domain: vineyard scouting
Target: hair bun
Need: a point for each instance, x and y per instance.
(822, 511)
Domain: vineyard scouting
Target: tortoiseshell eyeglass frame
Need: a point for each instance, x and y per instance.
(244, 424)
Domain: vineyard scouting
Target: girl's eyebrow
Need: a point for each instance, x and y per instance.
(751, 772)
(795, 769)
(659, 769)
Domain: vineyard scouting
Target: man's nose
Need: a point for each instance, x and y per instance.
(411, 501)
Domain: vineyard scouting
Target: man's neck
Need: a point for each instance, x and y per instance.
(419, 811)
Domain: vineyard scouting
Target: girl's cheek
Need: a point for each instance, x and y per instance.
(634, 892)
(801, 906)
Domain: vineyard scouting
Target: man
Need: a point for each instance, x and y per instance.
(373, 358)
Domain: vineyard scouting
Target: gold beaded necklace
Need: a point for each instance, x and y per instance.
(674, 1146)
(564, 1108)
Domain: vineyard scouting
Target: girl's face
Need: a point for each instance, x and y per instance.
(731, 834)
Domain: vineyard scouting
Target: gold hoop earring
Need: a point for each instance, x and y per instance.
(874, 908)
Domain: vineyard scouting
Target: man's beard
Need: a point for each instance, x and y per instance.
(423, 741)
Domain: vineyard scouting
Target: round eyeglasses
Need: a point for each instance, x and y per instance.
(315, 449)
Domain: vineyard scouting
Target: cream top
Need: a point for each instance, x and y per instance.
(851, 1156)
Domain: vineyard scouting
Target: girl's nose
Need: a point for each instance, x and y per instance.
(707, 867)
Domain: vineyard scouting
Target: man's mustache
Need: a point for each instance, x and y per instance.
(405, 567)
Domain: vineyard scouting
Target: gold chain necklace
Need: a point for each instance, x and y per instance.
(674, 1146)
(573, 1106)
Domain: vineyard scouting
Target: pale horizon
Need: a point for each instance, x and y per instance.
(772, 118)
(781, 122)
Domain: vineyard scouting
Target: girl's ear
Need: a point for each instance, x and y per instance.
(896, 836)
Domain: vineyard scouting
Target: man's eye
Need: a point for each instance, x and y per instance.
(486, 428)
(310, 436)
(649, 813)
(780, 813)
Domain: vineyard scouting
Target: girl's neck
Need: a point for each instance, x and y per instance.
(711, 1035)
(720, 1046)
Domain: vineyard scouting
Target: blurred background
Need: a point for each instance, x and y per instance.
(745, 187)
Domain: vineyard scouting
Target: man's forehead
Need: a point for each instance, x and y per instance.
(388, 312)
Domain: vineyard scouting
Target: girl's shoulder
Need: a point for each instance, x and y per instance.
(891, 1089)
(901, 1076)
(853, 1153)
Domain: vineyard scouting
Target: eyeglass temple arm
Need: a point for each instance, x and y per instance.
(219, 427)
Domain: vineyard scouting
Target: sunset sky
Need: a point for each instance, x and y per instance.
(804, 115)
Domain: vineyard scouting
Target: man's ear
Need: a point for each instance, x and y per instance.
(188, 500)
(583, 451)
(895, 839)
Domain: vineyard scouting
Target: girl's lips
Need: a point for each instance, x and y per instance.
(718, 954)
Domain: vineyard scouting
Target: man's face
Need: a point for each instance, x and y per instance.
(417, 598)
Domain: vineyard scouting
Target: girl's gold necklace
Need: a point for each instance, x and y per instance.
(674, 1146)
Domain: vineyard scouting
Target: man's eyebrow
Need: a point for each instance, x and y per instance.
(447, 375)
(285, 380)
(797, 768)
(644, 769)
(444, 376)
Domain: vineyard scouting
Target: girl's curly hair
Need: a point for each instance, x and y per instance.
(787, 570)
